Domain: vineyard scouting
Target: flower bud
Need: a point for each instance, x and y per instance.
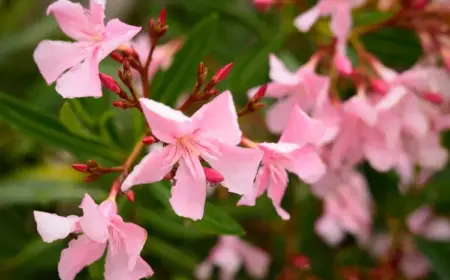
(222, 73)
(148, 140)
(109, 83)
(260, 93)
(433, 97)
(121, 104)
(379, 85)
(117, 57)
(162, 17)
(213, 176)
(300, 262)
(81, 167)
(130, 196)
(419, 4)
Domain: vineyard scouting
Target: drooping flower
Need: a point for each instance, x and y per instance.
(98, 228)
(229, 255)
(425, 223)
(347, 206)
(212, 133)
(295, 152)
(74, 65)
(304, 89)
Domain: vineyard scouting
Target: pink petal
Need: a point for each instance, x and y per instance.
(316, 87)
(301, 129)
(304, 21)
(280, 74)
(93, 223)
(260, 186)
(379, 156)
(226, 257)
(275, 192)
(414, 118)
(414, 265)
(167, 124)
(218, 120)
(341, 19)
(330, 230)
(117, 268)
(73, 20)
(256, 261)
(133, 238)
(278, 115)
(117, 33)
(237, 165)
(204, 270)
(55, 57)
(391, 99)
(275, 90)
(52, 227)
(438, 229)
(152, 168)
(307, 164)
(360, 107)
(81, 81)
(81, 252)
(189, 192)
(97, 9)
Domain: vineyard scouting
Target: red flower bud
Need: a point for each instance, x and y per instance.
(434, 97)
(109, 83)
(117, 57)
(81, 167)
(260, 93)
(213, 176)
(149, 140)
(162, 17)
(121, 104)
(419, 4)
(130, 196)
(379, 85)
(222, 73)
(300, 261)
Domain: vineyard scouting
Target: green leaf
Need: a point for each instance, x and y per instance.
(362, 18)
(161, 249)
(71, 121)
(170, 225)
(214, 221)
(181, 76)
(44, 127)
(438, 254)
(108, 129)
(31, 191)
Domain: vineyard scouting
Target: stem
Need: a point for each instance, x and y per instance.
(248, 143)
(144, 71)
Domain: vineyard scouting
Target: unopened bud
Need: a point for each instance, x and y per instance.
(300, 262)
(109, 83)
(211, 92)
(260, 93)
(92, 163)
(213, 176)
(121, 104)
(117, 57)
(419, 4)
(162, 17)
(222, 73)
(149, 140)
(130, 196)
(81, 167)
(379, 85)
(202, 71)
(434, 97)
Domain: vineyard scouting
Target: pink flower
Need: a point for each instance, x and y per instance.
(304, 88)
(347, 206)
(95, 41)
(423, 222)
(294, 152)
(229, 254)
(162, 56)
(99, 227)
(413, 264)
(212, 133)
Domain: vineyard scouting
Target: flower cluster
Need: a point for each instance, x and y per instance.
(392, 120)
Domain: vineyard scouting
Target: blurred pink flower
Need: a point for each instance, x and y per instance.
(99, 227)
(294, 152)
(347, 206)
(412, 263)
(304, 88)
(423, 222)
(95, 41)
(212, 133)
(229, 255)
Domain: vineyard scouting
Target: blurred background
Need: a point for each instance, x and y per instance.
(42, 135)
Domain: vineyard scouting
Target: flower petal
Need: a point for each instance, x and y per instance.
(307, 164)
(52, 227)
(275, 192)
(117, 33)
(341, 19)
(330, 230)
(360, 107)
(93, 223)
(167, 124)
(301, 129)
(256, 261)
(152, 168)
(237, 165)
(97, 11)
(55, 57)
(204, 270)
(82, 80)
(80, 253)
(73, 20)
(280, 74)
(260, 186)
(278, 115)
(218, 120)
(304, 21)
(189, 192)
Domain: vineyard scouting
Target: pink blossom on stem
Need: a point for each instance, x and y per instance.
(98, 228)
(423, 222)
(294, 152)
(212, 133)
(304, 88)
(74, 66)
(229, 255)
(347, 206)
